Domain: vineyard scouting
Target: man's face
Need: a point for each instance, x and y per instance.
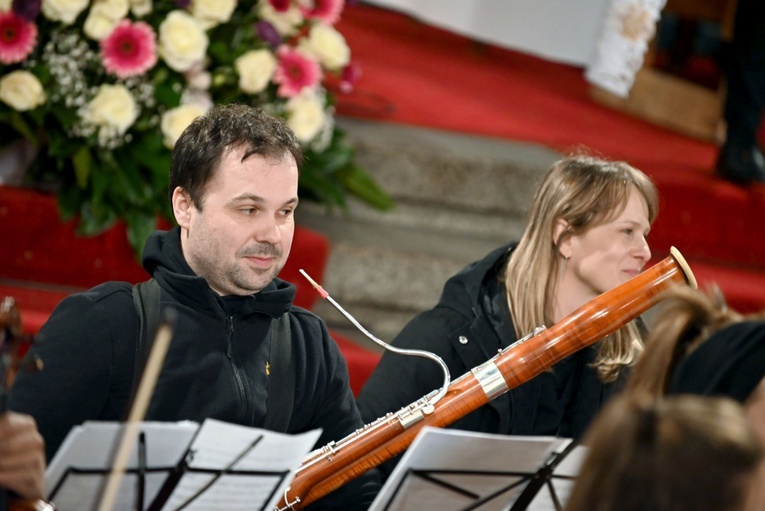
(241, 238)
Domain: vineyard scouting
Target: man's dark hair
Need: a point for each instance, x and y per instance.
(202, 144)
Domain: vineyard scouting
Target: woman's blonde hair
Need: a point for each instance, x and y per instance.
(585, 192)
(682, 453)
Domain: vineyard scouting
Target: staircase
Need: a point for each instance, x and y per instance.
(458, 197)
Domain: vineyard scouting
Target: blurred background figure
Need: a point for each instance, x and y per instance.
(682, 453)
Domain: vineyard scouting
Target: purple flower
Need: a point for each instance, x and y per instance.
(26, 9)
(268, 33)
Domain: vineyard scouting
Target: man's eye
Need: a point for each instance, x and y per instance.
(248, 211)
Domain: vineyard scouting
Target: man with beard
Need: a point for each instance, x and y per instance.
(233, 190)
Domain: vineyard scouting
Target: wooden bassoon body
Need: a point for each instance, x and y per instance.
(333, 465)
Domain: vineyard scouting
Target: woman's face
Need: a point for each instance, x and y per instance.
(608, 254)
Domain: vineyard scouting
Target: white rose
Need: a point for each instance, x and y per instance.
(182, 41)
(328, 46)
(98, 27)
(285, 23)
(65, 11)
(113, 9)
(113, 109)
(21, 90)
(178, 119)
(141, 7)
(305, 115)
(255, 68)
(212, 12)
(103, 17)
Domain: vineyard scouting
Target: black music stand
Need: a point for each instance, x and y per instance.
(453, 470)
(216, 466)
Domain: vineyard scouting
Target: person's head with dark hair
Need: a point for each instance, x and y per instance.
(699, 346)
(682, 453)
(233, 189)
(202, 144)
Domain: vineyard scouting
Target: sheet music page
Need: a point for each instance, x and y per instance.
(218, 446)
(563, 480)
(90, 447)
(211, 448)
(461, 468)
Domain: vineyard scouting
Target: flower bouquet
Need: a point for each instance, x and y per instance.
(102, 89)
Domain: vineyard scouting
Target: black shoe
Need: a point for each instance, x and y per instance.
(741, 164)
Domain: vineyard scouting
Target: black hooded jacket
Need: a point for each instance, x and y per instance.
(216, 365)
(468, 326)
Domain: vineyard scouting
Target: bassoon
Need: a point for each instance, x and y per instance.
(336, 463)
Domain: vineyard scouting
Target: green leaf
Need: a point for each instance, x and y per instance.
(360, 184)
(139, 227)
(82, 162)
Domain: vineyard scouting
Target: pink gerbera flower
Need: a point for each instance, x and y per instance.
(280, 5)
(294, 72)
(327, 11)
(131, 49)
(17, 38)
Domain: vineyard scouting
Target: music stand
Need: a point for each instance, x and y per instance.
(180, 466)
(453, 470)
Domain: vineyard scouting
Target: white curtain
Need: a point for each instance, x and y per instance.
(607, 37)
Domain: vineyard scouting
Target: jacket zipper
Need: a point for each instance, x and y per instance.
(237, 375)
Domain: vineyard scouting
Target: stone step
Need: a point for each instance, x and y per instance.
(458, 197)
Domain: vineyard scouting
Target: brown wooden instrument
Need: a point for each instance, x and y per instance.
(333, 465)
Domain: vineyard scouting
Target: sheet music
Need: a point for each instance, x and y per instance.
(211, 448)
(90, 447)
(563, 480)
(218, 444)
(450, 470)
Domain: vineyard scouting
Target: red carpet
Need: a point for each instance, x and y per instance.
(416, 74)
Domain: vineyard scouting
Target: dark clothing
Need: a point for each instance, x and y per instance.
(215, 366)
(468, 326)
(745, 97)
(730, 363)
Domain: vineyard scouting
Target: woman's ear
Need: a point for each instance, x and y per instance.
(182, 206)
(562, 242)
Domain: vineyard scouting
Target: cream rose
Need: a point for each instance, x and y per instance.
(5, 5)
(212, 12)
(285, 23)
(182, 41)
(255, 68)
(65, 11)
(98, 26)
(305, 115)
(113, 109)
(328, 46)
(21, 90)
(178, 119)
(141, 8)
(103, 17)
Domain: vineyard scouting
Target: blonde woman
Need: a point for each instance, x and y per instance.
(586, 234)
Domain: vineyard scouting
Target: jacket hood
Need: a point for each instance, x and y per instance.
(163, 259)
(466, 287)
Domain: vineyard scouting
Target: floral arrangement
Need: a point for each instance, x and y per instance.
(103, 88)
